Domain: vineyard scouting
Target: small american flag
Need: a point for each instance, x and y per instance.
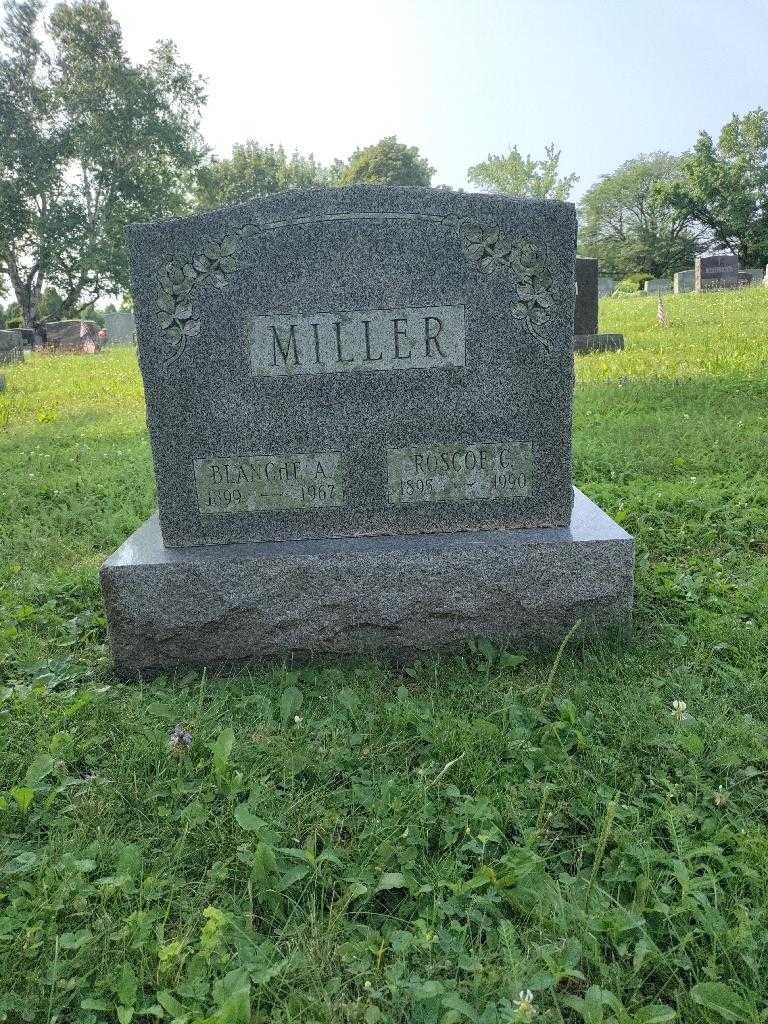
(661, 314)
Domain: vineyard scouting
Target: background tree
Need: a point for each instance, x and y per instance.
(50, 305)
(628, 222)
(88, 143)
(254, 170)
(388, 162)
(724, 186)
(518, 176)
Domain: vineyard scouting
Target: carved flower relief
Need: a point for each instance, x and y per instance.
(178, 282)
(176, 314)
(177, 319)
(486, 247)
(217, 260)
(534, 292)
(177, 279)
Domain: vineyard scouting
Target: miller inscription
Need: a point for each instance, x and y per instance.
(476, 472)
(366, 340)
(256, 482)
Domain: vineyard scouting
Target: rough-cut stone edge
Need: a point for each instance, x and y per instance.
(398, 598)
(585, 343)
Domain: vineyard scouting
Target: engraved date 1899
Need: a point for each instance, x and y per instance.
(253, 483)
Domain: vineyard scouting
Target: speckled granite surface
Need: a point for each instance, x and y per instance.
(495, 369)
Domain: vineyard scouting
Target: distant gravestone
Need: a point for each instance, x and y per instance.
(683, 281)
(585, 316)
(359, 403)
(586, 338)
(11, 346)
(751, 276)
(712, 272)
(121, 328)
(657, 285)
(605, 286)
(72, 335)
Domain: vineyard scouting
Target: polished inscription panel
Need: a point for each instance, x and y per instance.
(455, 472)
(255, 482)
(425, 338)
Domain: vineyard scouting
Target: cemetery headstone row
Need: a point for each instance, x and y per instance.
(359, 403)
(715, 272)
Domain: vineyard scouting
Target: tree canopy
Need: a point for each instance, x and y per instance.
(89, 141)
(388, 162)
(516, 175)
(254, 170)
(629, 224)
(724, 186)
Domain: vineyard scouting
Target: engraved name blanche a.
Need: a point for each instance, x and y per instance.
(477, 472)
(252, 483)
(365, 340)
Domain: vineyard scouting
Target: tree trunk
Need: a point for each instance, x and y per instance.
(27, 291)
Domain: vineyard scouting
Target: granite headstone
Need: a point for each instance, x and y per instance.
(71, 335)
(585, 314)
(713, 272)
(751, 276)
(370, 361)
(586, 339)
(11, 346)
(657, 285)
(359, 404)
(605, 286)
(121, 327)
(683, 281)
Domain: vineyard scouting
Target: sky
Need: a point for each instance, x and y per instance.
(602, 79)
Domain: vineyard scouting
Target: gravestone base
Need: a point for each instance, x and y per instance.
(598, 343)
(394, 597)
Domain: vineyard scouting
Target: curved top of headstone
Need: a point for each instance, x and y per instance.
(354, 333)
(360, 198)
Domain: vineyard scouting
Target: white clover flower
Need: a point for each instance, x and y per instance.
(680, 710)
(525, 1006)
(721, 797)
(297, 720)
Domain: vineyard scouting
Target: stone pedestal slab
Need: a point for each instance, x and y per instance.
(397, 597)
(598, 343)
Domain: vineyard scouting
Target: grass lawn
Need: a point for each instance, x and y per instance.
(358, 846)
